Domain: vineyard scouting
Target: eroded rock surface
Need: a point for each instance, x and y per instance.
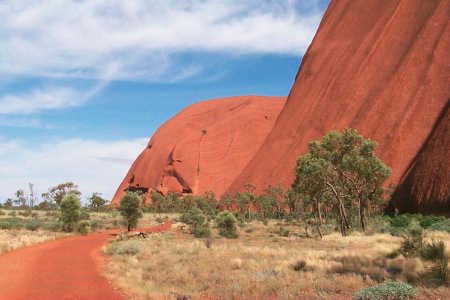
(204, 147)
(382, 67)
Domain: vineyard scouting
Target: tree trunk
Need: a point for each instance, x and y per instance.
(319, 212)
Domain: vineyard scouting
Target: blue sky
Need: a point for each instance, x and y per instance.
(83, 84)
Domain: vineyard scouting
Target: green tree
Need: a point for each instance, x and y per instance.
(158, 200)
(20, 200)
(70, 211)
(57, 193)
(130, 209)
(96, 201)
(341, 168)
(8, 203)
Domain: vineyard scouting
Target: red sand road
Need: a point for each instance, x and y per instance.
(65, 269)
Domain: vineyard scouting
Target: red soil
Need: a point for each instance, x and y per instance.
(65, 269)
(204, 147)
(381, 67)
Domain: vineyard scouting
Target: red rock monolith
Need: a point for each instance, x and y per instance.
(381, 67)
(204, 147)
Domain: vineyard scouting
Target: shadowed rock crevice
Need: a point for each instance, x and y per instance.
(426, 185)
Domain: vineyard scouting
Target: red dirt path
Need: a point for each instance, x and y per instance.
(65, 269)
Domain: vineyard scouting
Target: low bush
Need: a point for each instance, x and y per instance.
(2, 213)
(95, 225)
(412, 243)
(443, 225)
(433, 251)
(11, 223)
(52, 226)
(25, 213)
(202, 231)
(33, 225)
(226, 222)
(299, 265)
(199, 225)
(193, 216)
(84, 227)
(130, 247)
(387, 291)
(284, 232)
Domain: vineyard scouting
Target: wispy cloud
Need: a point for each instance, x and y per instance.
(40, 99)
(47, 98)
(95, 165)
(141, 38)
(24, 123)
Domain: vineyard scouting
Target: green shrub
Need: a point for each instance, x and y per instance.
(83, 227)
(70, 211)
(436, 251)
(4, 225)
(226, 222)
(387, 291)
(412, 243)
(95, 225)
(402, 221)
(443, 225)
(84, 215)
(428, 221)
(433, 251)
(33, 225)
(194, 217)
(53, 226)
(130, 209)
(197, 221)
(202, 231)
(130, 247)
(11, 223)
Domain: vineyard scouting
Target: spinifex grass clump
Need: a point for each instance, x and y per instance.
(387, 291)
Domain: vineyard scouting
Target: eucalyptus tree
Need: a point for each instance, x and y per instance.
(341, 171)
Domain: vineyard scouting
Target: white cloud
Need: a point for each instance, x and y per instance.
(96, 166)
(24, 123)
(47, 98)
(141, 38)
(39, 99)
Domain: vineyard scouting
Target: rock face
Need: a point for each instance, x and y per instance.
(426, 185)
(204, 147)
(382, 67)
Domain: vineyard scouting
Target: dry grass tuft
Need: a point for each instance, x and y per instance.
(13, 239)
(259, 265)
